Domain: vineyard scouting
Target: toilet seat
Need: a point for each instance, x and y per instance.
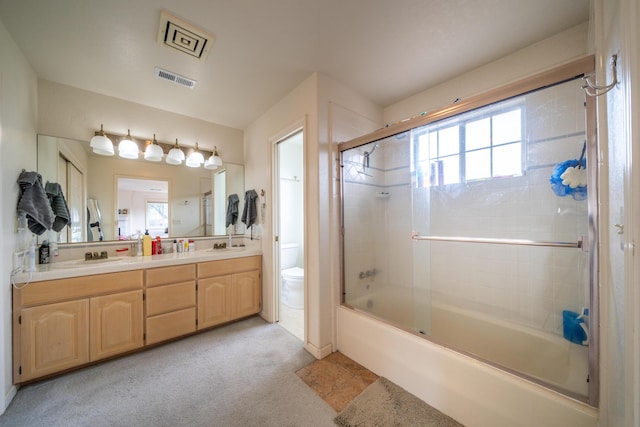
(293, 273)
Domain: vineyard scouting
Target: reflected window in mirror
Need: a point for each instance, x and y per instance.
(219, 185)
(157, 219)
(143, 204)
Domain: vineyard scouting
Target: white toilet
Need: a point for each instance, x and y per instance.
(292, 283)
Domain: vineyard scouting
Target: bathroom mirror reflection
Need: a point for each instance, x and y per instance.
(195, 200)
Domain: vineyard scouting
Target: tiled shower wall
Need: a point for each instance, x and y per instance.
(524, 284)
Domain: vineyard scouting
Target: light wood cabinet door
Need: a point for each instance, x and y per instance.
(116, 324)
(246, 294)
(54, 337)
(214, 301)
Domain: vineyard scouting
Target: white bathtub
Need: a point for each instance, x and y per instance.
(541, 356)
(455, 383)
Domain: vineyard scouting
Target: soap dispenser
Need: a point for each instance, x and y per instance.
(146, 244)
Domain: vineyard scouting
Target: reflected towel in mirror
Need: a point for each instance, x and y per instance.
(58, 206)
(232, 209)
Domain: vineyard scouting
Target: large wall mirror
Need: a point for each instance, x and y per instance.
(110, 198)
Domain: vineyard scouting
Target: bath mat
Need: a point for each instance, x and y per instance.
(385, 404)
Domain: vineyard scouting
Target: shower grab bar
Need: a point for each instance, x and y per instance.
(520, 242)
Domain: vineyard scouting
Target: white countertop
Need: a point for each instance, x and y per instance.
(75, 268)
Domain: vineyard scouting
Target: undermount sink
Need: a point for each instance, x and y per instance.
(227, 249)
(77, 263)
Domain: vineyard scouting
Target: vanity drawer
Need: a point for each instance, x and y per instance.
(171, 325)
(50, 291)
(228, 266)
(166, 275)
(162, 299)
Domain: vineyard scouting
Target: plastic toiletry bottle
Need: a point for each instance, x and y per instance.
(53, 247)
(175, 246)
(139, 244)
(31, 259)
(146, 244)
(158, 245)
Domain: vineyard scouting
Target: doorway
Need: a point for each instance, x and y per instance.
(289, 231)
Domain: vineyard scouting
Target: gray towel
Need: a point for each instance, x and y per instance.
(58, 205)
(232, 209)
(250, 211)
(34, 202)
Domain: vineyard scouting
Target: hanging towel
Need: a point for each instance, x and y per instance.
(58, 205)
(232, 209)
(250, 211)
(34, 202)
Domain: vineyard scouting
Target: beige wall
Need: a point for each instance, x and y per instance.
(548, 53)
(619, 138)
(309, 103)
(18, 117)
(68, 112)
(299, 106)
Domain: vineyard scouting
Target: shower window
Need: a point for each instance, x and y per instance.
(473, 247)
(479, 145)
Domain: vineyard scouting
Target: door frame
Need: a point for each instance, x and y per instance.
(295, 127)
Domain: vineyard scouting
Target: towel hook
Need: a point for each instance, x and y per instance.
(592, 89)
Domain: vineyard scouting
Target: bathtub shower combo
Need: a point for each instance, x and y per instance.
(476, 231)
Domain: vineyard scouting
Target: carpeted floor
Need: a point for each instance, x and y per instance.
(242, 374)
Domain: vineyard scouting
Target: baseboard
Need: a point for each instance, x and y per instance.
(318, 353)
(8, 398)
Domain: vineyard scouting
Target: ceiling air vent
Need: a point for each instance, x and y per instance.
(176, 78)
(177, 34)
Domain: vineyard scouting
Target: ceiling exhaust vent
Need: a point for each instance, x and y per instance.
(176, 78)
(177, 34)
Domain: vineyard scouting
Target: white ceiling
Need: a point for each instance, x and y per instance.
(384, 49)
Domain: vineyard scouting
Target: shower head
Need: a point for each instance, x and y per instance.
(365, 158)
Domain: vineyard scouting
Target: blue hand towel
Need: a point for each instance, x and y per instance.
(250, 211)
(34, 202)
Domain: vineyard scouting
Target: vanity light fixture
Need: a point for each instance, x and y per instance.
(195, 159)
(175, 156)
(214, 161)
(153, 152)
(127, 148)
(101, 144)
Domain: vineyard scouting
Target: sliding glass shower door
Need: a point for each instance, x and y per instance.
(478, 232)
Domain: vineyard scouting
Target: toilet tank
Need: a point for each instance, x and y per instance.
(288, 255)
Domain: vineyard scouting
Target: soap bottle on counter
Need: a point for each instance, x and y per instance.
(146, 244)
(31, 257)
